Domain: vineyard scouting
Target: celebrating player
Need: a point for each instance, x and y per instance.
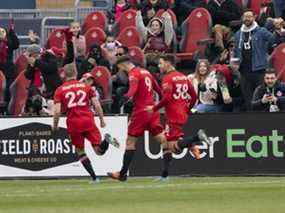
(179, 97)
(75, 97)
(141, 89)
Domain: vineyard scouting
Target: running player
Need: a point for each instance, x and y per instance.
(141, 92)
(179, 97)
(75, 97)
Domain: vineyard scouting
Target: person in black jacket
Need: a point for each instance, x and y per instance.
(150, 7)
(8, 43)
(46, 64)
(183, 8)
(270, 96)
(223, 12)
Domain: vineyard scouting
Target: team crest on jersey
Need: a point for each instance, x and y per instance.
(279, 93)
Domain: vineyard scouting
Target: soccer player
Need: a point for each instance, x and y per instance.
(75, 98)
(141, 86)
(179, 97)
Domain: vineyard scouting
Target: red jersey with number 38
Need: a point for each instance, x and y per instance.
(75, 98)
(179, 97)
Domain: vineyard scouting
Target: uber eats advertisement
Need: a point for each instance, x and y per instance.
(251, 143)
(28, 148)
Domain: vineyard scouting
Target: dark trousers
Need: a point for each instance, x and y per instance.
(249, 81)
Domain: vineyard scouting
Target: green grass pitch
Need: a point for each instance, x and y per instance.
(143, 195)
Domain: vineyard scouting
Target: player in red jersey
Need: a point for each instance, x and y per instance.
(179, 97)
(141, 92)
(75, 97)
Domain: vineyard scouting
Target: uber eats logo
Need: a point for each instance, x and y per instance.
(256, 146)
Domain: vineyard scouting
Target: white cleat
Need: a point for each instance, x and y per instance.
(161, 179)
(203, 137)
(96, 181)
(112, 140)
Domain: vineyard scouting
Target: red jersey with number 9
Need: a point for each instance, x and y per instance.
(141, 88)
(75, 98)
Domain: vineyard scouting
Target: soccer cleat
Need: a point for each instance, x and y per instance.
(161, 179)
(96, 181)
(203, 137)
(117, 176)
(196, 152)
(112, 140)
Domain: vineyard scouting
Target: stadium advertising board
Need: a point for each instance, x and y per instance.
(28, 148)
(251, 143)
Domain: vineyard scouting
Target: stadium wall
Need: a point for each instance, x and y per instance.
(243, 144)
(18, 4)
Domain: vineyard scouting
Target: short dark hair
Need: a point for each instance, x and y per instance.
(123, 59)
(168, 57)
(248, 10)
(270, 71)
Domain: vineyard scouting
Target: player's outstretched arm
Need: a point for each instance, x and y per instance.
(56, 116)
(99, 110)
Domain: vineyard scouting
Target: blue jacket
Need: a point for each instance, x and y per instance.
(261, 39)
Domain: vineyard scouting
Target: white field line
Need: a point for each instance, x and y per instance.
(123, 186)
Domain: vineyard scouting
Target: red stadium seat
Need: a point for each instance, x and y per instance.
(103, 79)
(2, 89)
(196, 27)
(172, 14)
(277, 58)
(171, 3)
(21, 63)
(19, 94)
(130, 37)
(127, 19)
(94, 35)
(95, 19)
(255, 5)
(56, 39)
(137, 56)
(134, 3)
(281, 75)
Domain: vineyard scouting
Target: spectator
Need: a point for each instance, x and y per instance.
(223, 12)
(120, 7)
(110, 47)
(33, 37)
(94, 58)
(251, 45)
(279, 31)
(279, 8)
(183, 8)
(270, 95)
(43, 68)
(206, 86)
(150, 7)
(158, 35)
(229, 75)
(8, 43)
(34, 104)
(79, 45)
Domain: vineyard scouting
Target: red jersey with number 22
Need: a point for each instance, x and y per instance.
(75, 98)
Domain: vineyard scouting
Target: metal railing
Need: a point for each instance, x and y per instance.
(46, 28)
(35, 13)
(81, 12)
